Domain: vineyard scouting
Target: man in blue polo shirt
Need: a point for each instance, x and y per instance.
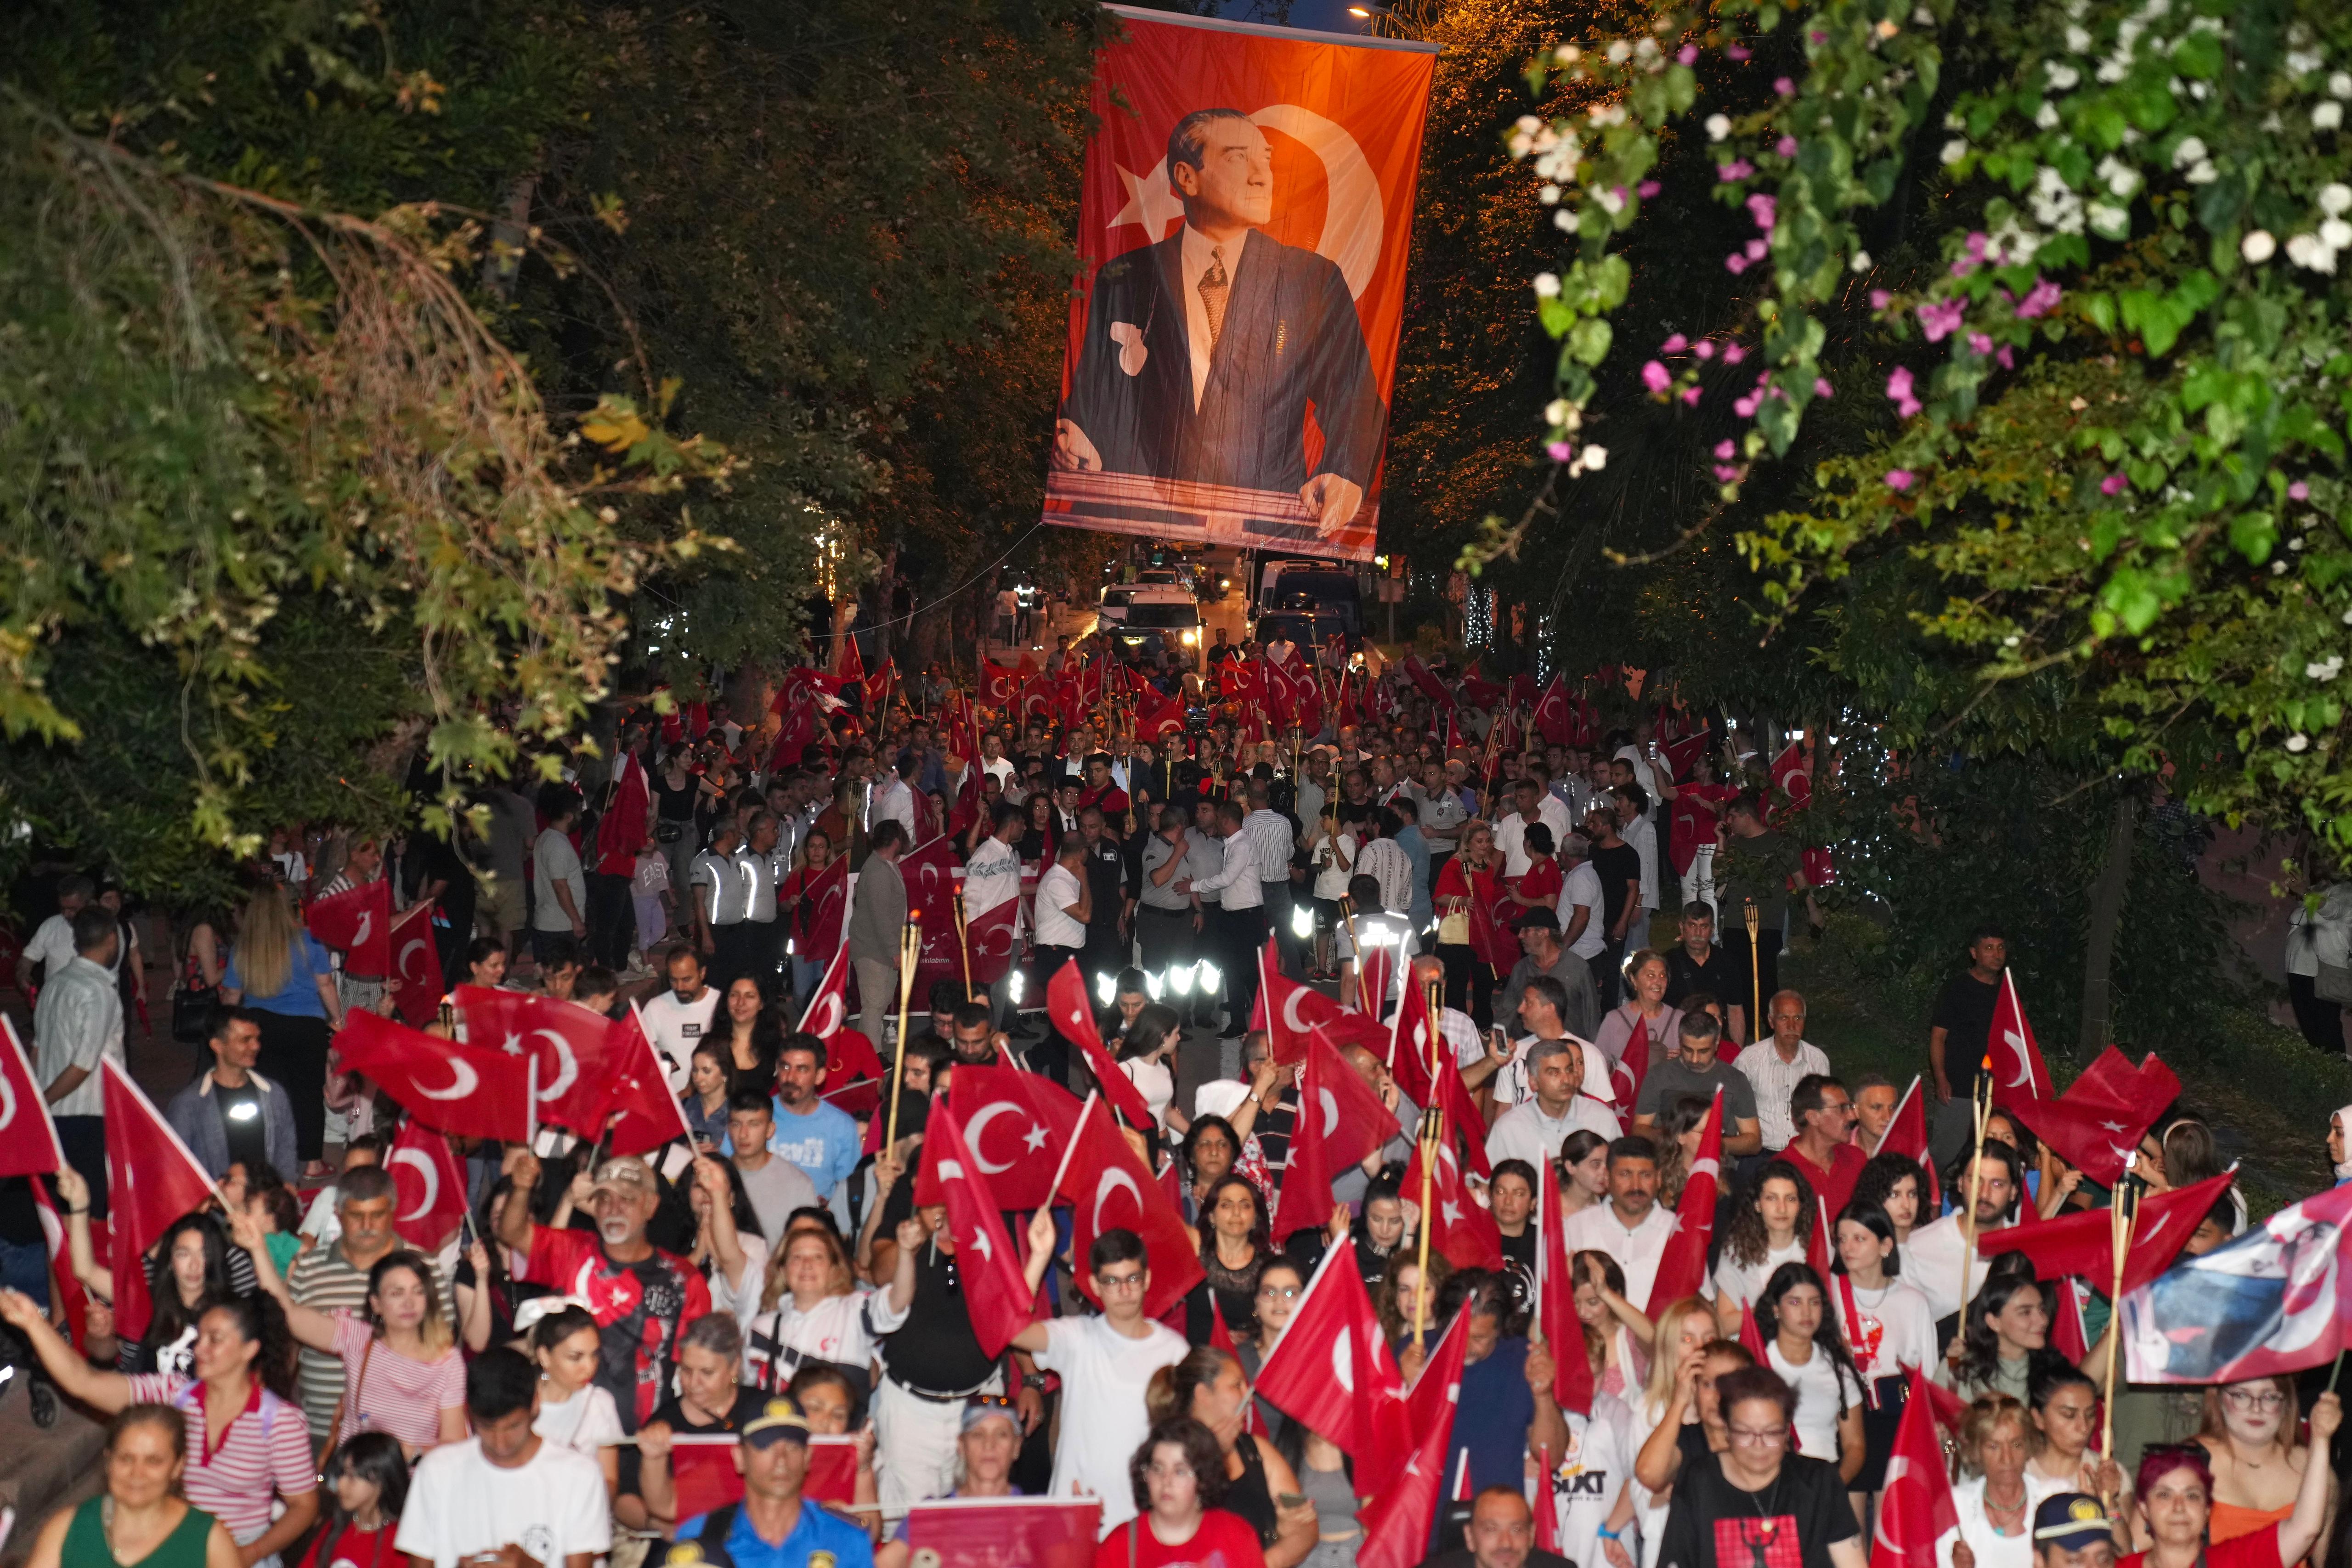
(771, 1527)
(811, 1132)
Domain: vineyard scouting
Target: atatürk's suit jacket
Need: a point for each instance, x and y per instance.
(1291, 338)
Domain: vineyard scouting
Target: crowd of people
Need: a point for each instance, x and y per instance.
(542, 1382)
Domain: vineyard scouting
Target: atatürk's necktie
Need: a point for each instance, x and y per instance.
(1215, 287)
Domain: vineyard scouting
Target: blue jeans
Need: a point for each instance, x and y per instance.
(806, 975)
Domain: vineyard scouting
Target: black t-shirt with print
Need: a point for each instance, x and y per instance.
(1792, 1523)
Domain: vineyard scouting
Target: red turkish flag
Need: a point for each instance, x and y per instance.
(1109, 1188)
(1790, 775)
(1065, 1004)
(996, 683)
(1423, 1062)
(471, 1090)
(2104, 1114)
(929, 873)
(29, 1138)
(991, 937)
(1908, 1135)
(1340, 1121)
(1478, 691)
(428, 1187)
(2019, 1073)
(1752, 1338)
(1682, 755)
(1556, 1322)
(1682, 1267)
(2084, 1243)
(66, 1290)
(1376, 965)
(639, 1108)
(848, 663)
(1332, 1371)
(987, 1533)
(2068, 1337)
(1287, 1010)
(998, 1298)
(151, 1180)
(1397, 1520)
(848, 1055)
(1554, 718)
(356, 921)
(1635, 1065)
(828, 897)
(1430, 685)
(1459, 1225)
(566, 1041)
(417, 965)
(1917, 1507)
(702, 1470)
(1017, 1125)
(1164, 717)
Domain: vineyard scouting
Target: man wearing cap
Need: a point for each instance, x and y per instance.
(771, 1527)
(642, 1298)
(986, 1449)
(1543, 953)
(2071, 1530)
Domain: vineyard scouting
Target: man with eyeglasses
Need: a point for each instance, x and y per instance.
(1105, 1363)
(1757, 1501)
(1823, 1148)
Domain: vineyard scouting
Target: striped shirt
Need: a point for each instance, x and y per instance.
(266, 1452)
(323, 1280)
(396, 1393)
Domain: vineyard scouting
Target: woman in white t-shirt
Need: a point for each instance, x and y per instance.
(1801, 1340)
(1146, 1054)
(813, 1309)
(574, 1413)
(1767, 1230)
(1888, 1323)
(727, 1246)
(1995, 1508)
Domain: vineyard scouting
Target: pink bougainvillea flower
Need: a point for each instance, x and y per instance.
(1730, 473)
(1673, 345)
(1822, 387)
(1878, 298)
(2040, 299)
(1686, 55)
(1654, 377)
(1941, 318)
(2298, 491)
(1899, 391)
(1900, 478)
(1731, 174)
(1735, 52)
(1703, 349)
(1756, 249)
(1690, 396)
(1786, 147)
(1646, 189)
(1979, 342)
(1745, 407)
(2007, 361)
(1763, 209)
(1724, 448)
(1559, 451)
(2113, 485)
(1784, 86)
(1735, 263)
(1732, 353)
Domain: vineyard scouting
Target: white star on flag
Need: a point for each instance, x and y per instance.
(981, 1245)
(1036, 1137)
(1151, 203)
(513, 1046)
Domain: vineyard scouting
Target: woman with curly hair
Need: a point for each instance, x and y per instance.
(1769, 1230)
(1179, 1477)
(1403, 1291)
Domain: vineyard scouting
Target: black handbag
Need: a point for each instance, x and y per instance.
(192, 1014)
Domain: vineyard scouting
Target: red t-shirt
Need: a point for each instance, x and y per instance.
(1694, 826)
(1543, 883)
(661, 1294)
(356, 1548)
(1221, 1541)
(2260, 1550)
(1835, 1184)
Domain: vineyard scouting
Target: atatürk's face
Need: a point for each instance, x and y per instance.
(1234, 183)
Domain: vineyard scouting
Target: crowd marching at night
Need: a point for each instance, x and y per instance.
(1294, 1111)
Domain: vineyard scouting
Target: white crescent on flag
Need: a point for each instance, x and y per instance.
(971, 1136)
(7, 1103)
(1112, 1179)
(422, 1163)
(1343, 1362)
(1330, 1111)
(464, 1083)
(568, 1070)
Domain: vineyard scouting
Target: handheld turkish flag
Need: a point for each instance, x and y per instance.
(2276, 1299)
(1458, 1225)
(1820, 1245)
(1635, 1064)
(428, 1187)
(357, 922)
(1906, 1135)
(993, 937)
(1431, 686)
(848, 1055)
(996, 683)
(1065, 1004)
(1682, 1266)
(152, 1181)
(1555, 1303)
(2068, 1337)
(641, 1111)
(1751, 1337)
(2104, 1114)
(1790, 775)
(64, 1286)
(828, 897)
(703, 1473)
(566, 1043)
(473, 1091)
(1554, 717)
(1423, 1062)
(848, 663)
(994, 1292)
(1332, 1370)
(1340, 1121)
(1110, 1188)
(1287, 1010)
(2084, 1243)
(2019, 1073)
(1376, 966)
(417, 965)
(1683, 755)
(988, 1531)
(1397, 1520)
(29, 1138)
(1917, 1507)
(1017, 1125)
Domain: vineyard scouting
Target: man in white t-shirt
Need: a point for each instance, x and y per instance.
(1775, 1066)
(1511, 832)
(680, 1018)
(559, 885)
(1630, 1227)
(1106, 1364)
(1583, 931)
(1534, 1129)
(53, 944)
(504, 1493)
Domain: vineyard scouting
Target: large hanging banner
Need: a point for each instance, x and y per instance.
(1248, 207)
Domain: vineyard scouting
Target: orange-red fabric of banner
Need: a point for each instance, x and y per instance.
(1231, 355)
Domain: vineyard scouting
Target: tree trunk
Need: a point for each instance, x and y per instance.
(2106, 917)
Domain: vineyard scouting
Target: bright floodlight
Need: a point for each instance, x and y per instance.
(1103, 991)
(1180, 979)
(1207, 976)
(1302, 921)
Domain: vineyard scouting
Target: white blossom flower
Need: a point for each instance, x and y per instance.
(2203, 174)
(2114, 223)
(2303, 62)
(1568, 53)
(2298, 741)
(2258, 246)
(1596, 458)
(1548, 195)
(1719, 126)
(2335, 235)
(2121, 178)
(2327, 115)
(1859, 262)
(2326, 669)
(1611, 201)
(1619, 51)
(2339, 84)
(2046, 117)
(2078, 42)
(1922, 17)
(2335, 198)
(2187, 151)
(1953, 151)
(1557, 410)
(1565, 219)
(1547, 285)
(2308, 251)
(2062, 77)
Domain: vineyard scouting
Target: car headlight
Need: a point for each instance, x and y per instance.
(1192, 636)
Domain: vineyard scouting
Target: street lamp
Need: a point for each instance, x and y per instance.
(1402, 19)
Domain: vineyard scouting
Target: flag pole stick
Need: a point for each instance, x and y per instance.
(1431, 1127)
(1755, 976)
(2336, 1372)
(1068, 1149)
(1355, 946)
(1979, 1099)
(963, 941)
(2122, 1225)
(911, 952)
